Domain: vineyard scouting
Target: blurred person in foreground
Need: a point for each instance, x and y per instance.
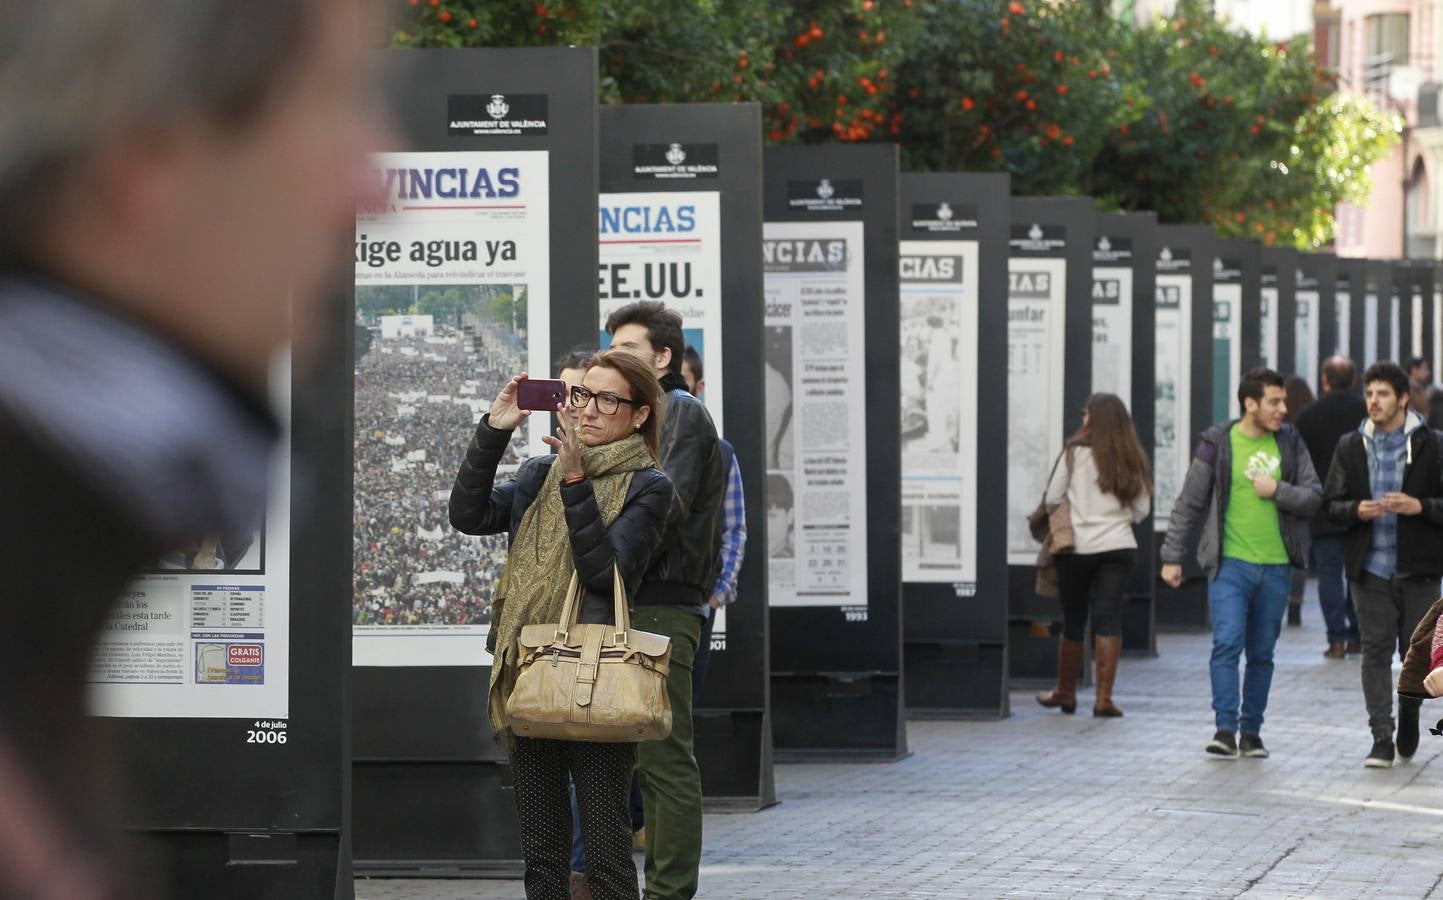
(177, 182)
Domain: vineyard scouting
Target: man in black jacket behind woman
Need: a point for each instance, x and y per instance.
(1336, 413)
(673, 599)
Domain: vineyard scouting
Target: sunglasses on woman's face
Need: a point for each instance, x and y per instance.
(607, 403)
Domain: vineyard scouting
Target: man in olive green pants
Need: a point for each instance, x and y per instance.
(672, 597)
(670, 782)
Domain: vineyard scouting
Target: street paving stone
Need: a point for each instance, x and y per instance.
(1045, 805)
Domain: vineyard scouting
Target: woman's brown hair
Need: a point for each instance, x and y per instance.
(645, 390)
(1122, 468)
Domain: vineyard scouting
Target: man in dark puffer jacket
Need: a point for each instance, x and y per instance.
(673, 598)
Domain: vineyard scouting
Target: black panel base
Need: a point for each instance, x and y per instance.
(224, 865)
(1183, 609)
(1139, 626)
(838, 716)
(447, 819)
(734, 753)
(955, 680)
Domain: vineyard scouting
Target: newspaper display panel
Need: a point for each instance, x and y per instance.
(1343, 313)
(816, 438)
(1308, 330)
(1227, 336)
(1036, 293)
(939, 453)
(1370, 329)
(1112, 317)
(1395, 327)
(452, 299)
(667, 247)
(1173, 386)
(1268, 307)
(206, 633)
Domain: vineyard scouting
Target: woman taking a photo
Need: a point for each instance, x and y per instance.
(1103, 475)
(599, 501)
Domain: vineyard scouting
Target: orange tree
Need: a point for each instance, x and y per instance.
(824, 70)
(1241, 132)
(1028, 88)
(1185, 117)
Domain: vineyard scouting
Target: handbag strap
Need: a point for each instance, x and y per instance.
(1055, 464)
(571, 610)
(622, 608)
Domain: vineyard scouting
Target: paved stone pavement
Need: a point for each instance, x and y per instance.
(1046, 805)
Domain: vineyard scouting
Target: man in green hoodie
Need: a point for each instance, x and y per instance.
(1253, 480)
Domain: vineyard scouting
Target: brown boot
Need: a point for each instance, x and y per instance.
(1107, 651)
(1069, 660)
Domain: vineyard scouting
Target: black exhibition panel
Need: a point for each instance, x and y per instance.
(217, 810)
(432, 786)
(1125, 254)
(1424, 314)
(1349, 305)
(954, 630)
(1400, 317)
(1185, 259)
(1378, 310)
(718, 151)
(837, 669)
(1050, 240)
(1404, 290)
(1237, 319)
(1425, 274)
(1317, 278)
(1277, 343)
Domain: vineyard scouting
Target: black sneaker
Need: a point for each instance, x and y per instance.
(1407, 727)
(1223, 744)
(1381, 756)
(1252, 745)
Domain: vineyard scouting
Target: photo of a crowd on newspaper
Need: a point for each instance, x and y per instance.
(429, 360)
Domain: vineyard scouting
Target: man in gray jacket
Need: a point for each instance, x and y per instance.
(1255, 485)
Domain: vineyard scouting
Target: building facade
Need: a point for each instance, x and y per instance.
(1388, 51)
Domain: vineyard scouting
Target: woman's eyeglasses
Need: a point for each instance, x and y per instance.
(607, 403)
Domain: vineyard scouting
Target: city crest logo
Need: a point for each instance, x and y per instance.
(944, 212)
(1166, 254)
(675, 155)
(1035, 232)
(825, 189)
(1103, 244)
(498, 107)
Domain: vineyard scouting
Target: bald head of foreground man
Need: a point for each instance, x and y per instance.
(178, 179)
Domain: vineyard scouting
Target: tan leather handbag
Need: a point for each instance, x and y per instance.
(591, 682)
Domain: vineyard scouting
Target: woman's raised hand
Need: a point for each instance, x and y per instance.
(566, 442)
(505, 414)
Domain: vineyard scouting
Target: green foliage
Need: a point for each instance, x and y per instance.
(1185, 116)
(445, 305)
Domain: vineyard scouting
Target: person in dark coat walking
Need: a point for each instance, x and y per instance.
(1385, 487)
(1338, 412)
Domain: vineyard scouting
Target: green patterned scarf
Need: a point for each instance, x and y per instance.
(532, 589)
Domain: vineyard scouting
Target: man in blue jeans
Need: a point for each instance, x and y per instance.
(1338, 412)
(1253, 487)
